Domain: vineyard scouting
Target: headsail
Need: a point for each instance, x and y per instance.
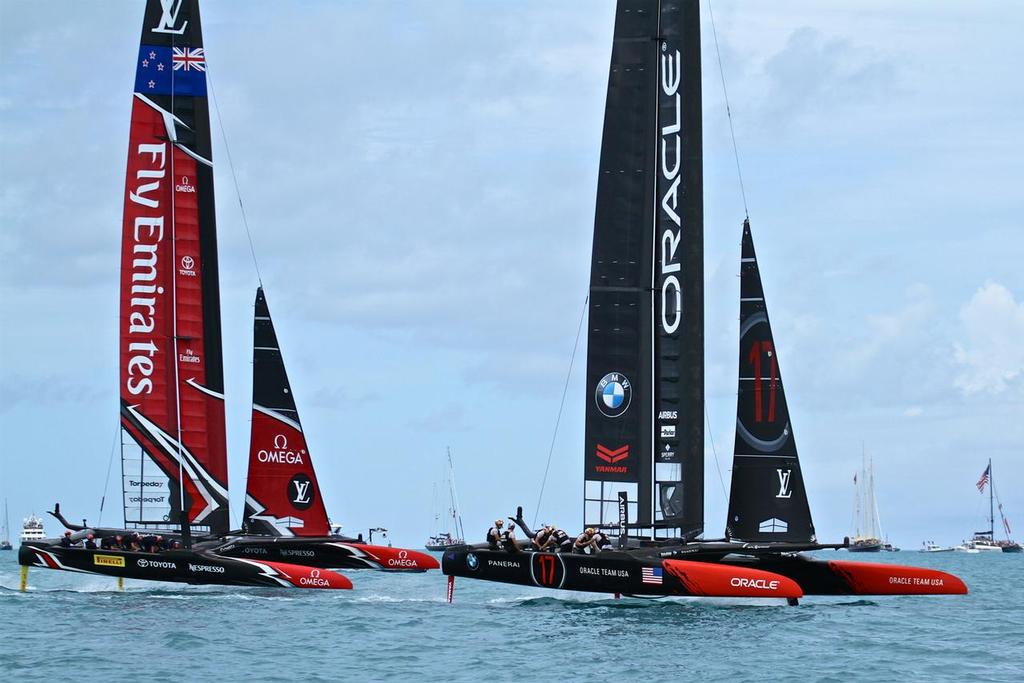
(645, 362)
(768, 501)
(171, 369)
(282, 496)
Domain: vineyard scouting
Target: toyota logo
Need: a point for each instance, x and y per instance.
(187, 262)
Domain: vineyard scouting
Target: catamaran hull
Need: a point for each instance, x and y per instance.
(842, 577)
(614, 572)
(180, 566)
(327, 552)
(789, 576)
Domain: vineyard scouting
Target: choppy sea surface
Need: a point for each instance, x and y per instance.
(392, 626)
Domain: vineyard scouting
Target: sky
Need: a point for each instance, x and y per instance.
(419, 180)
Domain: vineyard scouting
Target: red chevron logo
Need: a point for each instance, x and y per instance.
(612, 456)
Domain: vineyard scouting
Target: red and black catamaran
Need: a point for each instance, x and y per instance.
(173, 445)
(644, 444)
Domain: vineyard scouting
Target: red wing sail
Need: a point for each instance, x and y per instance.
(171, 374)
(282, 497)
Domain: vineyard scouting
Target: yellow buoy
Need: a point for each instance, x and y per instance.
(24, 578)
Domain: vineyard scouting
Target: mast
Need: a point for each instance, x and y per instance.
(456, 515)
(645, 353)
(173, 445)
(991, 510)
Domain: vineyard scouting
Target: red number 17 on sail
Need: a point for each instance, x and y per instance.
(759, 347)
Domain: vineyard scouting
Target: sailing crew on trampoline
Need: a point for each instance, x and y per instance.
(601, 542)
(508, 539)
(494, 534)
(584, 541)
(542, 540)
(561, 540)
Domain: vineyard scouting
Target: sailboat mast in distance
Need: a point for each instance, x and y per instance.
(645, 353)
(174, 456)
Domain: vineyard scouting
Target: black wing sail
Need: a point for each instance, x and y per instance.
(645, 358)
(768, 501)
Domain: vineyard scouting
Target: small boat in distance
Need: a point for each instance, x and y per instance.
(985, 541)
(933, 547)
(453, 533)
(32, 529)
(5, 537)
(867, 534)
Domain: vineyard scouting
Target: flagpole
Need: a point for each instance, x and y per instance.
(991, 512)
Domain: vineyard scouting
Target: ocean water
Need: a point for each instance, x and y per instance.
(394, 626)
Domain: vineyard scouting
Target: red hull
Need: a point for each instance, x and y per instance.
(871, 578)
(724, 581)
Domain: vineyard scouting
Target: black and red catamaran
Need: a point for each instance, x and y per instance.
(644, 443)
(174, 455)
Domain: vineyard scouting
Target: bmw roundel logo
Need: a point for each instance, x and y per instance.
(472, 561)
(613, 394)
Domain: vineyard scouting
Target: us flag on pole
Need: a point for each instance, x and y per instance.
(651, 575)
(984, 479)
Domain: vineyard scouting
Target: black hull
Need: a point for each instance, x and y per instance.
(625, 573)
(328, 552)
(198, 567)
(701, 574)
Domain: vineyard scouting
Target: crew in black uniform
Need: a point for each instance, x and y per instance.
(508, 539)
(562, 541)
(584, 542)
(542, 540)
(494, 534)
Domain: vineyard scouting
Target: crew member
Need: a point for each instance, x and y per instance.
(561, 540)
(508, 539)
(65, 540)
(90, 542)
(601, 542)
(108, 543)
(494, 534)
(584, 541)
(542, 540)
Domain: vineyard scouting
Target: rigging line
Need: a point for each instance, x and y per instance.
(561, 407)
(714, 451)
(728, 111)
(110, 463)
(234, 176)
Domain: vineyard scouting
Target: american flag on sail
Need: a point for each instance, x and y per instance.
(651, 575)
(187, 58)
(984, 479)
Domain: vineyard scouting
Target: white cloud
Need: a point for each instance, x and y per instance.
(992, 355)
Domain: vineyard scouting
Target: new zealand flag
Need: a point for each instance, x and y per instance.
(160, 67)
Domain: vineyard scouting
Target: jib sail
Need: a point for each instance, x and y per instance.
(171, 370)
(282, 497)
(768, 501)
(645, 362)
